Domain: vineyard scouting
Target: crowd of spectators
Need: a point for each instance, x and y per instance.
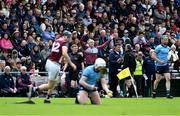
(29, 27)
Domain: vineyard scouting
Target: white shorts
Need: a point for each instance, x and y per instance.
(53, 70)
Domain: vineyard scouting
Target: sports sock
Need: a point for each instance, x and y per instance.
(36, 88)
(167, 92)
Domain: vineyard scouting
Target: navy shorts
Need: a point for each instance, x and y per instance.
(162, 69)
(87, 90)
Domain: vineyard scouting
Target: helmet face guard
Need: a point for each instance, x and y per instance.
(103, 70)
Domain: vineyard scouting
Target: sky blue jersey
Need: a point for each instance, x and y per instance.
(162, 54)
(91, 75)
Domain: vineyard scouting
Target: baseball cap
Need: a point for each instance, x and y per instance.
(100, 62)
(126, 31)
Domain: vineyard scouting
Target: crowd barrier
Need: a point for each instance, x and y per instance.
(41, 78)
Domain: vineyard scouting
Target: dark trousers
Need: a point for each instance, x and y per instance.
(113, 82)
(139, 79)
(149, 85)
(22, 91)
(73, 75)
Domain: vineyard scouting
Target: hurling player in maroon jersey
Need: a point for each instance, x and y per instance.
(59, 49)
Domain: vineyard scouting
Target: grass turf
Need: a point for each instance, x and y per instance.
(113, 106)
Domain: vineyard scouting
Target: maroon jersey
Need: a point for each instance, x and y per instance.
(56, 51)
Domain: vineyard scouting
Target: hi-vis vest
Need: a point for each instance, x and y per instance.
(138, 70)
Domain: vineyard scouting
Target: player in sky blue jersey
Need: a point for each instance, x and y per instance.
(88, 83)
(160, 55)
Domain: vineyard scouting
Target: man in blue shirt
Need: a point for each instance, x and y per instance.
(88, 83)
(162, 67)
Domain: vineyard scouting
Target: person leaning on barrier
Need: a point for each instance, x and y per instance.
(23, 82)
(7, 85)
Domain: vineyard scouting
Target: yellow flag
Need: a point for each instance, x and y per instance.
(124, 73)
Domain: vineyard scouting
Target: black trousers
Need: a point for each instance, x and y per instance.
(140, 84)
(113, 82)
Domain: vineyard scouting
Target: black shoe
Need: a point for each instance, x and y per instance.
(47, 101)
(76, 100)
(153, 94)
(169, 96)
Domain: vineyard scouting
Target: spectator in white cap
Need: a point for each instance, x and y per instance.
(126, 38)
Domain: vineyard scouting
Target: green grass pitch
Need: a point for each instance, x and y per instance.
(114, 106)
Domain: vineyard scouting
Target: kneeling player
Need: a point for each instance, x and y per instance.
(88, 83)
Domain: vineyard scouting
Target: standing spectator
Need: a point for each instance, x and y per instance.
(160, 55)
(103, 53)
(115, 63)
(7, 85)
(129, 61)
(138, 74)
(91, 51)
(149, 70)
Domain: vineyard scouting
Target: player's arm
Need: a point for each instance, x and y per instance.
(105, 86)
(66, 56)
(154, 57)
(83, 83)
